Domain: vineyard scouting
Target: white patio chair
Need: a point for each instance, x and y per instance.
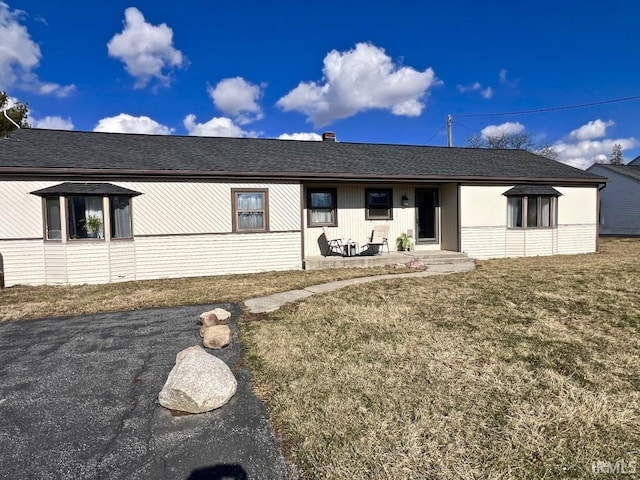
(378, 239)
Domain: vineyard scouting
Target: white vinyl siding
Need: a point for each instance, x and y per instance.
(484, 232)
(353, 225)
(180, 230)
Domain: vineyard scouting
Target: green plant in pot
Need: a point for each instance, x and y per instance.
(92, 225)
(403, 242)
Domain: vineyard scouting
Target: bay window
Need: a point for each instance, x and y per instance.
(532, 206)
(76, 211)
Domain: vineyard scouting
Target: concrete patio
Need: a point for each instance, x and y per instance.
(428, 257)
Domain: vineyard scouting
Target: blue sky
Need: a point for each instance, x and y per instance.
(372, 71)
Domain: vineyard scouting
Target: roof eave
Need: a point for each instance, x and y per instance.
(208, 174)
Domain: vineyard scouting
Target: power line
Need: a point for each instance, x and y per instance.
(550, 109)
(434, 136)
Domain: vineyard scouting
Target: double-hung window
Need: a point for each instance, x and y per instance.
(322, 207)
(532, 207)
(250, 210)
(378, 204)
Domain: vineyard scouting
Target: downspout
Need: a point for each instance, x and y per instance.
(600, 188)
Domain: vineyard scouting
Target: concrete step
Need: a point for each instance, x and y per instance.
(427, 257)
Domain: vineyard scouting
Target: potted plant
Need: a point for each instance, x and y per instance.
(92, 225)
(404, 242)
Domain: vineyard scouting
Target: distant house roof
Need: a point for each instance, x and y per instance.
(71, 153)
(632, 171)
(74, 188)
(532, 190)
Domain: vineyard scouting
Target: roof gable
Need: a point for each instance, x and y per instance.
(630, 171)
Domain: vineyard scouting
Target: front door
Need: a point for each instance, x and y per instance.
(427, 215)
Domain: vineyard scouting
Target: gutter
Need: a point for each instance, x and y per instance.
(13, 172)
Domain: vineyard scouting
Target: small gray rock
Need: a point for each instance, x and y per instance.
(217, 316)
(217, 336)
(198, 383)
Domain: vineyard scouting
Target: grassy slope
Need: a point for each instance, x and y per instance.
(22, 302)
(525, 368)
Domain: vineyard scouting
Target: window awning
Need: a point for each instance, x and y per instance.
(76, 188)
(532, 190)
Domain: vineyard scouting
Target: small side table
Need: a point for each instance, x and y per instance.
(351, 248)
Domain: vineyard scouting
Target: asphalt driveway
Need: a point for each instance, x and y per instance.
(79, 399)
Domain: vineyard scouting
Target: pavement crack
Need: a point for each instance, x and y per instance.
(136, 385)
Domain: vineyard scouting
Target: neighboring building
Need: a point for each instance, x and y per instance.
(620, 201)
(78, 207)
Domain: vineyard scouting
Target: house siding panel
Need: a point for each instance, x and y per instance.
(22, 212)
(22, 262)
(515, 243)
(484, 233)
(55, 261)
(619, 211)
(175, 208)
(204, 255)
(538, 242)
(483, 242)
(351, 217)
(576, 239)
(87, 262)
(122, 261)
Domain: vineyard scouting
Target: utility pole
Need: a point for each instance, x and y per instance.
(449, 133)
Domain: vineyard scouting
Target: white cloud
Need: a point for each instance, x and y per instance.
(53, 123)
(502, 78)
(487, 93)
(593, 129)
(469, 88)
(502, 129)
(584, 153)
(146, 50)
(20, 55)
(474, 87)
(216, 127)
(125, 123)
(238, 98)
(310, 136)
(360, 79)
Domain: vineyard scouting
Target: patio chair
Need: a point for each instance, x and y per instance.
(334, 245)
(378, 240)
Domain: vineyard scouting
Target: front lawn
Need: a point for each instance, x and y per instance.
(523, 369)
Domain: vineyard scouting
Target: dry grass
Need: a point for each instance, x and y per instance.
(21, 302)
(523, 369)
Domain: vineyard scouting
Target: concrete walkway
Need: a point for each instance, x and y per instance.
(273, 302)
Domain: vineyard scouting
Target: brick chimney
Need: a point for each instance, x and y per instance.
(329, 137)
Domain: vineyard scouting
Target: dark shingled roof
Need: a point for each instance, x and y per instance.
(68, 188)
(32, 151)
(532, 190)
(632, 171)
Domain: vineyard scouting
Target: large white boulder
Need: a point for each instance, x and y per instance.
(198, 382)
